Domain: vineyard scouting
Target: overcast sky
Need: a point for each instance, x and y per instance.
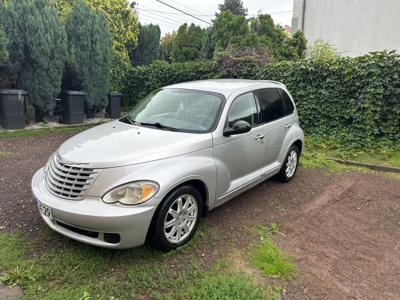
(151, 11)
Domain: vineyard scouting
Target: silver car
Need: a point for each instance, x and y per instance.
(182, 151)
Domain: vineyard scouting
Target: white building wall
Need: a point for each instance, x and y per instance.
(354, 27)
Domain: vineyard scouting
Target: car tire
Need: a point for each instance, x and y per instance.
(177, 219)
(290, 164)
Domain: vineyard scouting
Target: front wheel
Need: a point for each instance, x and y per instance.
(178, 218)
(289, 166)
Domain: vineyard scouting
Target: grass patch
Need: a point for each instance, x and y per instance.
(71, 270)
(320, 161)
(380, 153)
(269, 258)
(6, 134)
(4, 154)
(229, 286)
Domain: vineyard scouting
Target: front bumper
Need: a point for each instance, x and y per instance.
(93, 222)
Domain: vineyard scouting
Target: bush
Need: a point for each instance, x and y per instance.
(143, 80)
(322, 51)
(90, 51)
(37, 50)
(355, 100)
(245, 63)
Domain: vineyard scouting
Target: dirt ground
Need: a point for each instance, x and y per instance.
(343, 230)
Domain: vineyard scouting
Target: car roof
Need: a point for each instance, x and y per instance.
(226, 86)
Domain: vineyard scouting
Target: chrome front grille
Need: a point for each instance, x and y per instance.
(68, 181)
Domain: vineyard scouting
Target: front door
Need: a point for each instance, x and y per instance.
(239, 157)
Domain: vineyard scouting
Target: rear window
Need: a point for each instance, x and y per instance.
(288, 102)
(271, 105)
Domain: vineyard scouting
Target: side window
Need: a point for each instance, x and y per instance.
(288, 102)
(243, 108)
(271, 105)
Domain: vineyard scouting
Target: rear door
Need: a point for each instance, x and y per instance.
(274, 121)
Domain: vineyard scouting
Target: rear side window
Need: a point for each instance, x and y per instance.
(243, 108)
(271, 105)
(288, 102)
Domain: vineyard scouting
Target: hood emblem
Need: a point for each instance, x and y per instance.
(67, 162)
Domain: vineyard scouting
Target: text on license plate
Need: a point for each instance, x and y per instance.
(44, 210)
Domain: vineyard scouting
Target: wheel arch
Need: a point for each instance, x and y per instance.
(197, 184)
(299, 144)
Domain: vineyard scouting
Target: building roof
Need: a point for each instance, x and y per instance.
(225, 86)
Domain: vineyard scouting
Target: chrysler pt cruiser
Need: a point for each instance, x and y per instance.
(182, 151)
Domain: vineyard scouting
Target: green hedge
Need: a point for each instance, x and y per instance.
(143, 80)
(356, 100)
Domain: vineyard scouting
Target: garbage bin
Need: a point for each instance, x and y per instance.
(114, 105)
(12, 109)
(73, 106)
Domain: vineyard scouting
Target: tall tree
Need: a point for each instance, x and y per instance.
(263, 25)
(148, 49)
(37, 47)
(4, 58)
(299, 43)
(167, 44)
(274, 38)
(124, 27)
(207, 48)
(234, 6)
(89, 47)
(4, 54)
(188, 43)
(229, 30)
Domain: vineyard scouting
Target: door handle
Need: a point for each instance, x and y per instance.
(287, 126)
(259, 137)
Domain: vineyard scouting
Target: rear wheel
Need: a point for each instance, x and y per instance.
(289, 166)
(178, 218)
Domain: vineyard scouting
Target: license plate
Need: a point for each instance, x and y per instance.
(44, 210)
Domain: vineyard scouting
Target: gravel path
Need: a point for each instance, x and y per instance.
(342, 229)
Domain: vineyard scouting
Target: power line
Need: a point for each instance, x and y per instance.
(186, 13)
(187, 7)
(204, 15)
(161, 16)
(161, 19)
(173, 13)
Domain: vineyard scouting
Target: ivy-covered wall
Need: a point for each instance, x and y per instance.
(354, 99)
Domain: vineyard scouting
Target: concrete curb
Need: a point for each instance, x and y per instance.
(366, 165)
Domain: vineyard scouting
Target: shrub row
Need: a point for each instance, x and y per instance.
(354, 99)
(145, 79)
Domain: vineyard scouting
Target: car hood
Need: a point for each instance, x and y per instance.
(117, 144)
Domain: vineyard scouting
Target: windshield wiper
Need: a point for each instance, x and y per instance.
(128, 120)
(158, 125)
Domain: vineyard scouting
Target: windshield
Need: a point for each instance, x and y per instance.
(178, 109)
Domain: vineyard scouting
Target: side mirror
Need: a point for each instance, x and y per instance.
(238, 128)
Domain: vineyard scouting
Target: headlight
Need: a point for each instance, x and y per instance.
(132, 193)
(48, 163)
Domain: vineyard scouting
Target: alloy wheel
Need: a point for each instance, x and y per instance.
(181, 218)
(291, 164)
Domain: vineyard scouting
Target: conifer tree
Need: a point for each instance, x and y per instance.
(90, 49)
(37, 50)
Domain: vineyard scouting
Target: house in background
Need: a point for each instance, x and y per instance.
(354, 27)
(288, 30)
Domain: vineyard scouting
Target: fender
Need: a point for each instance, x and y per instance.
(294, 134)
(168, 173)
